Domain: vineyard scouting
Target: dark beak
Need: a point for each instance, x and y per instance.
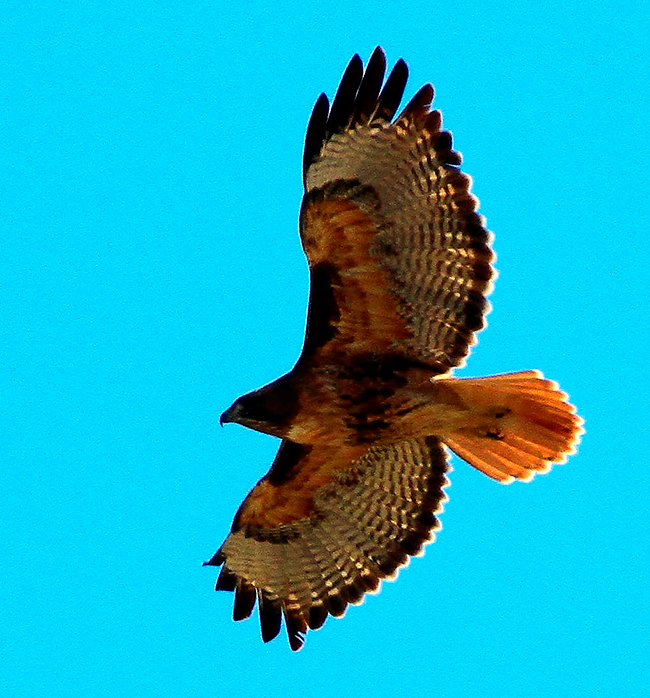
(230, 415)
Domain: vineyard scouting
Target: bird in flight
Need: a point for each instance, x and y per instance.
(400, 266)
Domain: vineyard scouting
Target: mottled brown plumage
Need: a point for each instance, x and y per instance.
(400, 265)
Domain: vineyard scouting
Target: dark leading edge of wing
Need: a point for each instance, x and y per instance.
(358, 102)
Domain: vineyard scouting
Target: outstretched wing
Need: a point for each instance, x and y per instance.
(321, 530)
(399, 259)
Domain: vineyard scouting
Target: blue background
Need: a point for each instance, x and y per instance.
(151, 272)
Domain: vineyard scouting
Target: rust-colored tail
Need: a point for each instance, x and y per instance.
(521, 423)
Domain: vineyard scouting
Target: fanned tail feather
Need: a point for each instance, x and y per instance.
(520, 424)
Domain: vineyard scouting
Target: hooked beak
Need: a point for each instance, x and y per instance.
(230, 415)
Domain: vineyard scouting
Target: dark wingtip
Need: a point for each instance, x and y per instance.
(245, 597)
(317, 616)
(296, 641)
(365, 102)
(315, 132)
(358, 101)
(402, 69)
(216, 560)
(227, 580)
(393, 91)
(270, 616)
(344, 100)
(296, 630)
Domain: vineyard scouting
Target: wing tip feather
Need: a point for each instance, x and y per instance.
(360, 100)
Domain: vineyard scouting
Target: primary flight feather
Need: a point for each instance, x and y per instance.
(400, 266)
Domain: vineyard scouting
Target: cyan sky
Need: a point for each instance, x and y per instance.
(151, 272)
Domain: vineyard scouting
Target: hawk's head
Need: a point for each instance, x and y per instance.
(269, 410)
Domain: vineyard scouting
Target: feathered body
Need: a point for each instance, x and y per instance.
(400, 267)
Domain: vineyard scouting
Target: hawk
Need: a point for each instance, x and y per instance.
(400, 266)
